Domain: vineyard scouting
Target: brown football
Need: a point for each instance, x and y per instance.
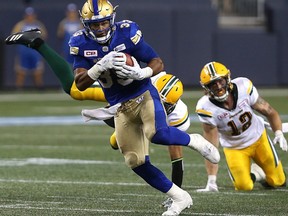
(129, 60)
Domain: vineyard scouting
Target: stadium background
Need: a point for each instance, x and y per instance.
(186, 33)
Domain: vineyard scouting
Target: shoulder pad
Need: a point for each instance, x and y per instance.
(75, 41)
(245, 83)
(131, 29)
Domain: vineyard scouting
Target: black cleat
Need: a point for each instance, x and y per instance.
(31, 38)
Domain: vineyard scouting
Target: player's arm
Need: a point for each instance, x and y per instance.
(269, 112)
(274, 119)
(156, 64)
(85, 78)
(82, 79)
(210, 133)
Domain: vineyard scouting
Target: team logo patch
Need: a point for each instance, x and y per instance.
(243, 104)
(120, 47)
(136, 38)
(223, 115)
(90, 53)
(74, 50)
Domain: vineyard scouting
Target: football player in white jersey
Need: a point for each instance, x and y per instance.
(227, 113)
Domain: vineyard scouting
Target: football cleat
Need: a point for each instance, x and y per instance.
(179, 204)
(258, 172)
(205, 148)
(31, 38)
(167, 203)
(209, 188)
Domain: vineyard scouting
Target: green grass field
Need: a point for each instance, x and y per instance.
(70, 169)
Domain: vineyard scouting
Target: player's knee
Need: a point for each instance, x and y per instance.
(132, 159)
(276, 182)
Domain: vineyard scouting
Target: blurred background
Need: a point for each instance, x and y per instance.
(249, 36)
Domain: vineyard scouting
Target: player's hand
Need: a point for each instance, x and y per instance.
(134, 72)
(209, 188)
(113, 60)
(279, 138)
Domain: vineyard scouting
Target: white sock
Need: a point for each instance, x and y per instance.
(174, 191)
(212, 179)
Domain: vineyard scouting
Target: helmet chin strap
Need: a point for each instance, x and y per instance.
(222, 98)
(104, 39)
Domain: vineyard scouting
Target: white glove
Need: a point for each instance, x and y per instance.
(113, 60)
(279, 138)
(209, 188)
(134, 72)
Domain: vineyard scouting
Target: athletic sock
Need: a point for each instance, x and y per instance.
(153, 176)
(59, 66)
(177, 171)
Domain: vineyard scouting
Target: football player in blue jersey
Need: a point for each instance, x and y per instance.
(141, 117)
(169, 87)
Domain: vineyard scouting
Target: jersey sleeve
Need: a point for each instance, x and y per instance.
(251, 90)
(205, 114)
(75, 43)
(142, 51)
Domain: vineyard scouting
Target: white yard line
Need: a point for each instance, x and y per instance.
(66, 120)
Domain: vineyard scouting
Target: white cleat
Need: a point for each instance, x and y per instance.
(179, 204)
(167, 203)
(258, 172)
(209, 188)
(205, 148)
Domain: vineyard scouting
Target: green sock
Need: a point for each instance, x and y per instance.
(59, 66)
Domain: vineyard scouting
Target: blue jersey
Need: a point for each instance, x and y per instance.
(127, 38)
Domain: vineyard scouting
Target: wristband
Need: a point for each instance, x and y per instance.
(147, 72)
(278, 133)
(94, 72)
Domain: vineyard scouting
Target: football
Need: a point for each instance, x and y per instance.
(129, 60)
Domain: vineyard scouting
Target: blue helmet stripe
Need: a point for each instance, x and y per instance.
(95, 7)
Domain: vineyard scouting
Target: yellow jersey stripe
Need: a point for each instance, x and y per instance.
(180, 121)
(204, 113)
(250, 88)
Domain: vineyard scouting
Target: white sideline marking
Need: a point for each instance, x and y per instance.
(58, 161)
(24, 206)
(45, 120)
(71, 182)
(49, 161)
(67, 120)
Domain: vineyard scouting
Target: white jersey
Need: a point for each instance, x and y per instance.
(240, 127)
(179, 117)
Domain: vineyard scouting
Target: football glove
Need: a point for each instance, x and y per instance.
(279, 138)
(209, 188)
(113, 60)
(134, 72)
